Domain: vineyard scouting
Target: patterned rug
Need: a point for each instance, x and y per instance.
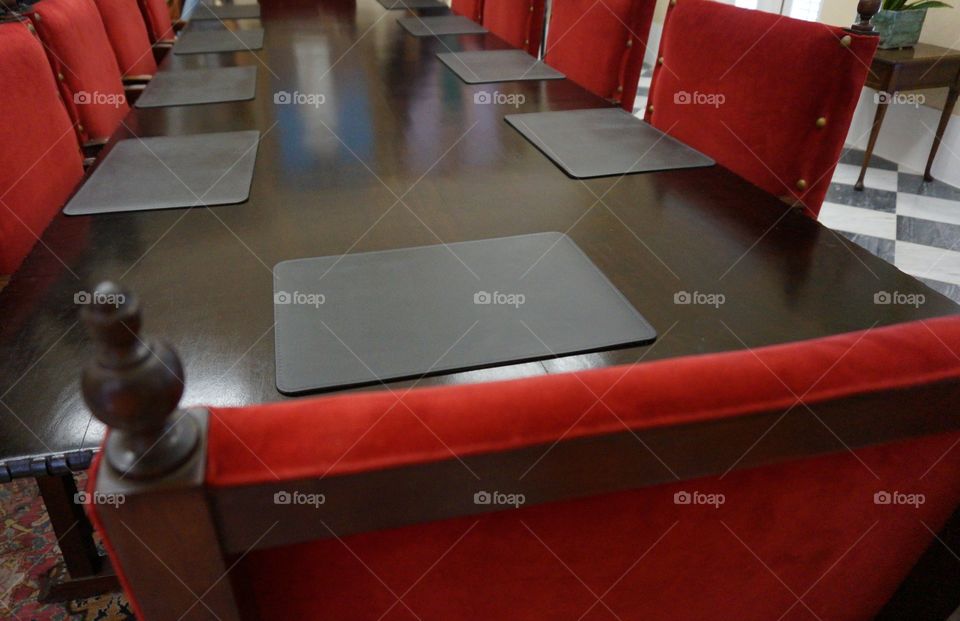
(27, 552)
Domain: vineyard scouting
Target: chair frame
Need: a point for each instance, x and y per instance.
(155, 457)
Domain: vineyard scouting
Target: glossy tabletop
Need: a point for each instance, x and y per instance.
(384, 147)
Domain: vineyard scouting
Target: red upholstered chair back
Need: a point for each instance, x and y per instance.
(771, 98)
(472, 9)
(518, 22)
(40, 160)
(76, 40)
(600, 45)
(128, 35)
(156, 14)
(795, 481)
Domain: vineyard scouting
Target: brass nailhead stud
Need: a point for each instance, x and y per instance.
(526, 41)
(79, 128)
(846, 41)
(660, 60)
(802, 185)
(629, 42)
(673, 2)
(531, 8)
(619, 89)
(60, 76)
(650, 109)
(31, 28)
(822, 122)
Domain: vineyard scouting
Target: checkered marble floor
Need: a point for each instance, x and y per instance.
(898, 217)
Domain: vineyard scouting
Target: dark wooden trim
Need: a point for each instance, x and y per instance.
(166, 540)
(577, 468)
(930, 589)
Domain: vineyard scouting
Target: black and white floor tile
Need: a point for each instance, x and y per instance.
(911, 223)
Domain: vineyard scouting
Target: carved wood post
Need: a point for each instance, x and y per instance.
(866, 9)
(149, 495)
(134, 386)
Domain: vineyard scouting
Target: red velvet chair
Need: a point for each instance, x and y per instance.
(40, 159)
(771, 98)
(86, 66)
(128, 35)
(518, 22)
(160, 27)
(803, 480)
(472, 9)
(600, 45)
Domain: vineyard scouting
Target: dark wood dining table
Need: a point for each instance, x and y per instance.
(389, 149)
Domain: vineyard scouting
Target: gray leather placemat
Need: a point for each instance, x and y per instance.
(604, 141)
(199, 86)
(483, 66)
(216, 41)
(167, 172)
(380, 316)
(227, 11)
(412, 4)
(440, 25)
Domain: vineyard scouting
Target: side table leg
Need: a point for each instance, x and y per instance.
(941, 129)
(874, 134)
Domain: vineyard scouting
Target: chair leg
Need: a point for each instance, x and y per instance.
(932, 588)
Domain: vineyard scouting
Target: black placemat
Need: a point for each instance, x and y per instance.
(604, 141)
(380, 316)
(483, 66)
(440, 25)
(168, 172)
(217, 41)
(226, 11)
(199, 86)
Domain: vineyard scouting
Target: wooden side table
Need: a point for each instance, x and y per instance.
(920, 67)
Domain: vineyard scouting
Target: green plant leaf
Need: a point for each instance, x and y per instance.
(927, 4)
(902, 5)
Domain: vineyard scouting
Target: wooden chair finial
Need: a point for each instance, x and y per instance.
(134, 385)
(866, 9)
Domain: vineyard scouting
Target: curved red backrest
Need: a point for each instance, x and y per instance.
(720, 547)
(156, 14)
(518, 22)
(76, 40)
(472, 9)
(769, 97)
(128, 36)
(40, 160)
(600, 45)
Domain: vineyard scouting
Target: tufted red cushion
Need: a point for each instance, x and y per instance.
(600, 44)
(518, 22)
(748, 87)
(128, 36)
(156, 14)
(469, 8)
(40, 161)
(75, 38)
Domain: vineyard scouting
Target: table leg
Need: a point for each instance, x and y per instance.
(941, 129)
(874, 134)
(84, 571)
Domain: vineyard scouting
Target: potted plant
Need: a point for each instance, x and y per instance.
(900, 21)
